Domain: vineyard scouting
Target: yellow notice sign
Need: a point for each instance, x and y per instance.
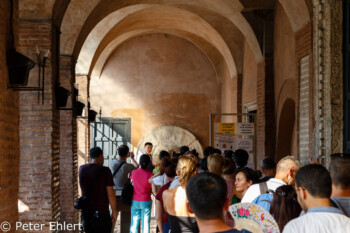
(228, 128)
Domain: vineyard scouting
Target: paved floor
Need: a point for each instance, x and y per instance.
(153, 225)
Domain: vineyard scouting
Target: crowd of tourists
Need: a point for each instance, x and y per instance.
(196, 193)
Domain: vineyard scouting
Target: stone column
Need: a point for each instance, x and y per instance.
(39, 129)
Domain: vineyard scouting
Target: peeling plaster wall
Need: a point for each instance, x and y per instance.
(158, 80)
(286, 78)
(249, 87)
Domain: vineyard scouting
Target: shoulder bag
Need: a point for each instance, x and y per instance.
(127, 192)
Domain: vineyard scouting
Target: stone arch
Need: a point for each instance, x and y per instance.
(170, 138)
(297, 12)
(162, 19)
(285, 129)
(230, 10)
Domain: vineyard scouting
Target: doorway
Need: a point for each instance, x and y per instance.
(108, 133)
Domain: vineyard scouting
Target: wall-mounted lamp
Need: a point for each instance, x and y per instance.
(61, 96)
(79, 107)
(19, 67)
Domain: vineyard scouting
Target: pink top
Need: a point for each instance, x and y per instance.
(142, 188)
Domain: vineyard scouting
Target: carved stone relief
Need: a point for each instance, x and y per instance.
(337, 77)
(169, 138)
(327, 78)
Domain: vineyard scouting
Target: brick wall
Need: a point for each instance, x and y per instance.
(303, 47)
(266, 132)
(239, 95)
(9, 131)
(260, 119)
(39, 130)
(68, 149)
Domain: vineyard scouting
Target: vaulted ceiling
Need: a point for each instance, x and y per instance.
(92, 30)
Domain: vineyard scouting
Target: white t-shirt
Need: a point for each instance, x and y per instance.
(320, 220)
(160, 180)
(254, 190)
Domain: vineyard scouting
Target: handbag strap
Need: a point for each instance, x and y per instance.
(116, 171)
(263, 187)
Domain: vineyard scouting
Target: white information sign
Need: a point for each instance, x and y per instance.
(244, 128)
(245, 144)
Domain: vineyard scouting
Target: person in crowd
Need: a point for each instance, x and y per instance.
(141, 200)
(284, 206)
(241, 158)
(340, 173)
(147, 150)
(191, 154)
(96, 183)
(161, 215)
(229, 176)
(176, 155)
(244, 179)
(285, 174)
(228, 154)
(216, 165)
(175, 200)
(184, 149)
(120, 170)
(206, 152)
(159, 179)
(268, 167)
(206, 194)
(314, 188)
(217, 151)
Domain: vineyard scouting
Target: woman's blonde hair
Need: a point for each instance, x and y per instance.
(186, 167)
(216, 164)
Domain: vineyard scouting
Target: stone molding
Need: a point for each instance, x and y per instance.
(337, 77)
(327, 77)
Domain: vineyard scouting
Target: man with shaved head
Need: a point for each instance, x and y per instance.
(285, 174)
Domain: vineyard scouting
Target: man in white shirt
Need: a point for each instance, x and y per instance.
(147, 150)
(314, 188)
(285, 174)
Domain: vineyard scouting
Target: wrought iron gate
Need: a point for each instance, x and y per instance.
(109, 133)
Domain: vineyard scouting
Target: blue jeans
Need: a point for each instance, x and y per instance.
(140, 209)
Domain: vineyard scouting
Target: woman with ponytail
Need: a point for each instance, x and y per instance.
(175, 200)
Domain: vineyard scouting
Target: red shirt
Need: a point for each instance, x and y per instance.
(159, 197)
